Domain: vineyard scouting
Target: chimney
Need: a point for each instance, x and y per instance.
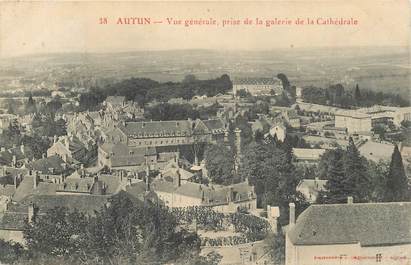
(14, 161)
(226, 136)
(147, 183)
(350, 200)
(31, 212)
(43, 155)
(15, 182)
(35, 176)
(22, 148)
(292, 214)
(55, 139)
(179, 178)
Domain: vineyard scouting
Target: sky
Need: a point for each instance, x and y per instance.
(53, 27)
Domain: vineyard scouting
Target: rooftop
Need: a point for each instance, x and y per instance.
(256, 81)
(365, 223)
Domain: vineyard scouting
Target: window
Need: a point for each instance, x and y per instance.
(378, 257)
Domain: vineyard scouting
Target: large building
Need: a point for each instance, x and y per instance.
(258, 86)
(353, 121)
(133, 144)
(226, 199)
(352, 233)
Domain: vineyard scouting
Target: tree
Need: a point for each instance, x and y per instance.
(397, 181)
(356, 173)
(378, 175)
(357, 94)
(270, 169)
(276, 247)
(10, 252)
(189, 79)
(219, 161)
(337, 188)
(30, 105)
(242, 93)
(57, 233)
(284, 80)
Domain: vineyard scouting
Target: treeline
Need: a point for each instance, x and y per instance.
(337, 95)
(143, 90)
(126, 231)
(167, 111)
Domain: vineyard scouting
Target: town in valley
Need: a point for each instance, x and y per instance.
(202, 157)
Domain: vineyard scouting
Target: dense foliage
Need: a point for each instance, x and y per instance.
(219, 161)
(350, 174)
(126, 231)
(167, 111)
(269, 167)
(336, 95)
(143, 90)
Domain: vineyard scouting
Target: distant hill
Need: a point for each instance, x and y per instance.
(375, 68)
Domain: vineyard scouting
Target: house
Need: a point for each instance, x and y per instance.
(119, 106)
(129, 143)
(226, 199)
(69, 148)
(310, 188)
(258, 86)
(402, 114)
(53, 165)
(14, 219)
(122, 156)
(353, 121)
(352, 233)
(292, 118)
(16, 156)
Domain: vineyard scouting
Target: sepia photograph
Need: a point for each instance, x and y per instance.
(205, 132)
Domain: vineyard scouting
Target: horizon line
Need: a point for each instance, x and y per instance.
(202, 49)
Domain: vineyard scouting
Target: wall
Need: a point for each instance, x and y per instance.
(350, 254)
(12, 235)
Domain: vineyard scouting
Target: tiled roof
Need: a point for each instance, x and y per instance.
(215, 126)
(191, 189)
(365, 223)
(255, 81)
(24, 189)
(44, 165)
(112, 183)
(137, 190)
(84, 203)
(120, 154)
(151, 128)
(162, 186)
